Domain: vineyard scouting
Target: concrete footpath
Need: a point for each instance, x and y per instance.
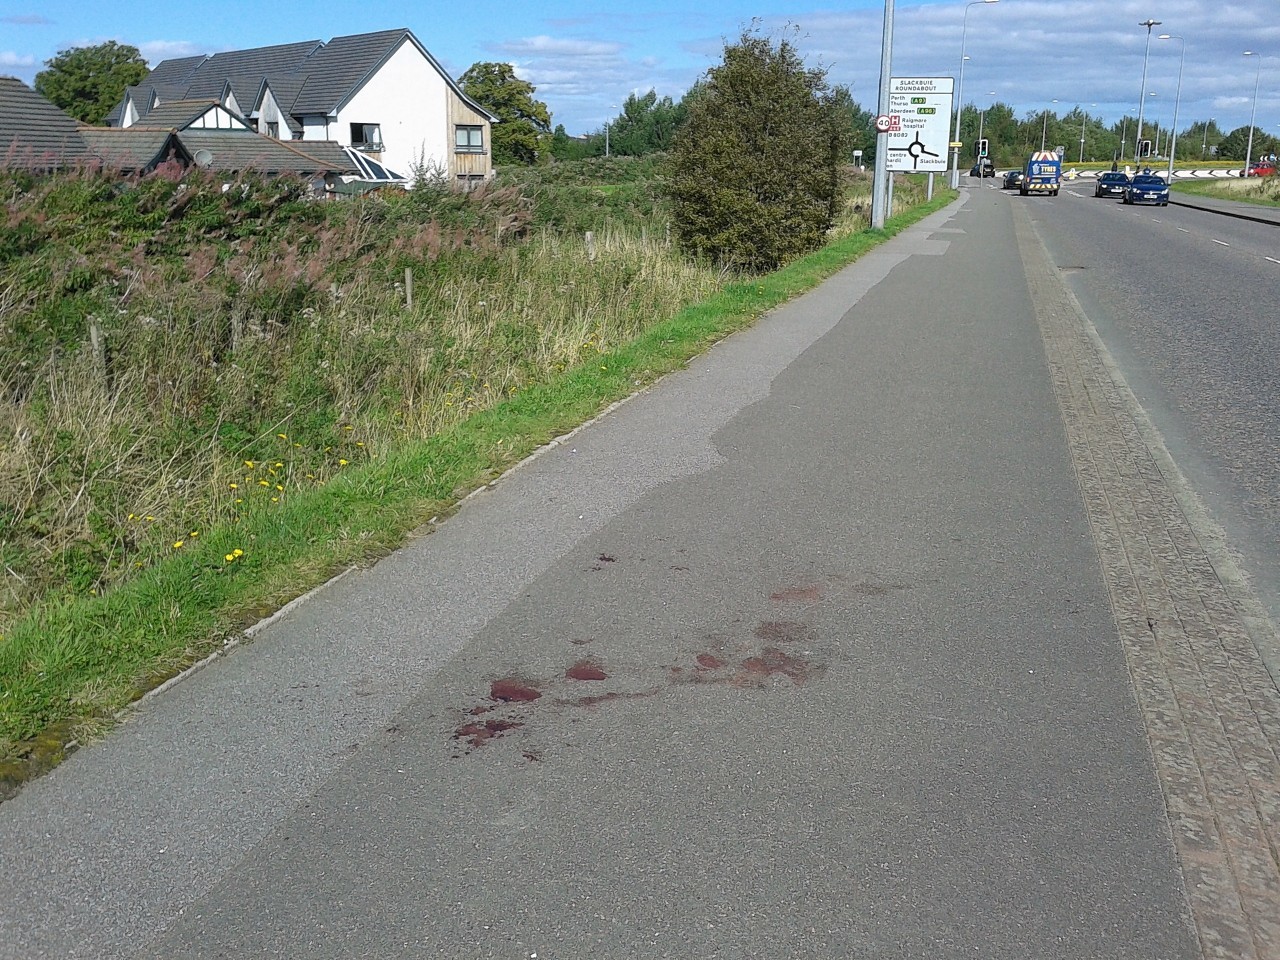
(887, 629)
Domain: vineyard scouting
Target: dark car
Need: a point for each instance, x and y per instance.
(1012, 180)
(1111, 184)
(983, 168)
(1147, 188)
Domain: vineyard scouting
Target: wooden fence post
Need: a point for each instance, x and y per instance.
(408, 288)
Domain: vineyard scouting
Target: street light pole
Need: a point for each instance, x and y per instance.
(879, 187)
(1044, 127)
(955, 151)
(1142, 97)
(1177, 97)
(1204, 143)
(1248, 151)
(1083, 117)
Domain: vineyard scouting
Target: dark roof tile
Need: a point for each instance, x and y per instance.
(36, 134)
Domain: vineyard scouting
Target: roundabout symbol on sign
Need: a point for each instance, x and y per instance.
(884, 123)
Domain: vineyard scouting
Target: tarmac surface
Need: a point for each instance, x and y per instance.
(887, 629)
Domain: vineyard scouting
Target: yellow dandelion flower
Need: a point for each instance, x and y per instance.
(283, 436)
(249, 464)
(264, 483)
(239, 499)
(229, 557)
(298, 445)
(194, 533)
(359, 443)
(132, 517)
(238, 552)
(177, 544)
(235, 486)
(151, 519)
(275, 499)
(279, 486)
(342, 462)
(279, 465)
(348, 427)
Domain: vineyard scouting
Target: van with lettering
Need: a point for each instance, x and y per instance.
(1042, 174)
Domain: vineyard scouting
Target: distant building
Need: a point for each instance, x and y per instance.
(382, 94)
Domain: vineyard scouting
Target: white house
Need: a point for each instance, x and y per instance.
(381, 93)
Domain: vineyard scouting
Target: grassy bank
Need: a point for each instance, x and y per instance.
(264, 408)
(1264, 191)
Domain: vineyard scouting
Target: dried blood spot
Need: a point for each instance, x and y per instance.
(605, 558)
(479, 733)
(755, 671)
(797, 595)
(511, 690)
(609, 698)
(709, 661)
(586, 670)
(784, 631)
(533, 756)
(480, 711)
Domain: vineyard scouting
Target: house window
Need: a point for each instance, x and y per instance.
(469, 139)
(273, 129)
(367, 136)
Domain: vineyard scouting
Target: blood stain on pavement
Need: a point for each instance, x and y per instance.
(784, 631)
(586, 670)
(756, 671)
(511, 690)
(478, 733)
(708, 661)
(797, 595)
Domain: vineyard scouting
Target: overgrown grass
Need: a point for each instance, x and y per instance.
(214, 461)
(1262, 191)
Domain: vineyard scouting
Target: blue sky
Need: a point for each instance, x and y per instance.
(585, 57)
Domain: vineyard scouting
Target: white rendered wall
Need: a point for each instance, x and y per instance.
(409, 99)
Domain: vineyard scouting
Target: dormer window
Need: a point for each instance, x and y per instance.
(367, 136)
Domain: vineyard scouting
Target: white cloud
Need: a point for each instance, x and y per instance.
(16, 61)
(156, 50)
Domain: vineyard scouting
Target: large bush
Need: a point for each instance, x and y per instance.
(755, 168)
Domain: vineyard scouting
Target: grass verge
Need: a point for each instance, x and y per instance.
(68, 668)
(1260, 191)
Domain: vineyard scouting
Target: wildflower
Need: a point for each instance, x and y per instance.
(249, 464)
(348, 427)
(151, 519)
(282, 436)
(298, 445)
(132, 517)
(229, 557)
(279, 487)
(275, 499)
(279, 465)
(177, 544)
(342, 462)
(234, 486)
(194, 534)
(264, 483)
(239, 499)
(238, 552)
(359, 443)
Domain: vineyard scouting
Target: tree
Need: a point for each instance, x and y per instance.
(1234, 145)
(87, 82)
(755, 168)
(523, 134)
(646, 125)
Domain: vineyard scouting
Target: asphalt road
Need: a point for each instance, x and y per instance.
(1186, 301)
(803, 653)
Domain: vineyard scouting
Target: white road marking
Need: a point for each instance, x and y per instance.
(1184, 229)
(1223, 242)
(1154, 220)
(1273, 260)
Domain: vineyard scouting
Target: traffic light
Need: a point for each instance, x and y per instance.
(1144, 148)
(983, 147)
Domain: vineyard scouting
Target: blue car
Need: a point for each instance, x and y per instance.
(1147, 188)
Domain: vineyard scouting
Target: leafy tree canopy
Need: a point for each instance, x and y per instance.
(1234, 145)
(755, 168)
(87, 82)
(524, 133)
